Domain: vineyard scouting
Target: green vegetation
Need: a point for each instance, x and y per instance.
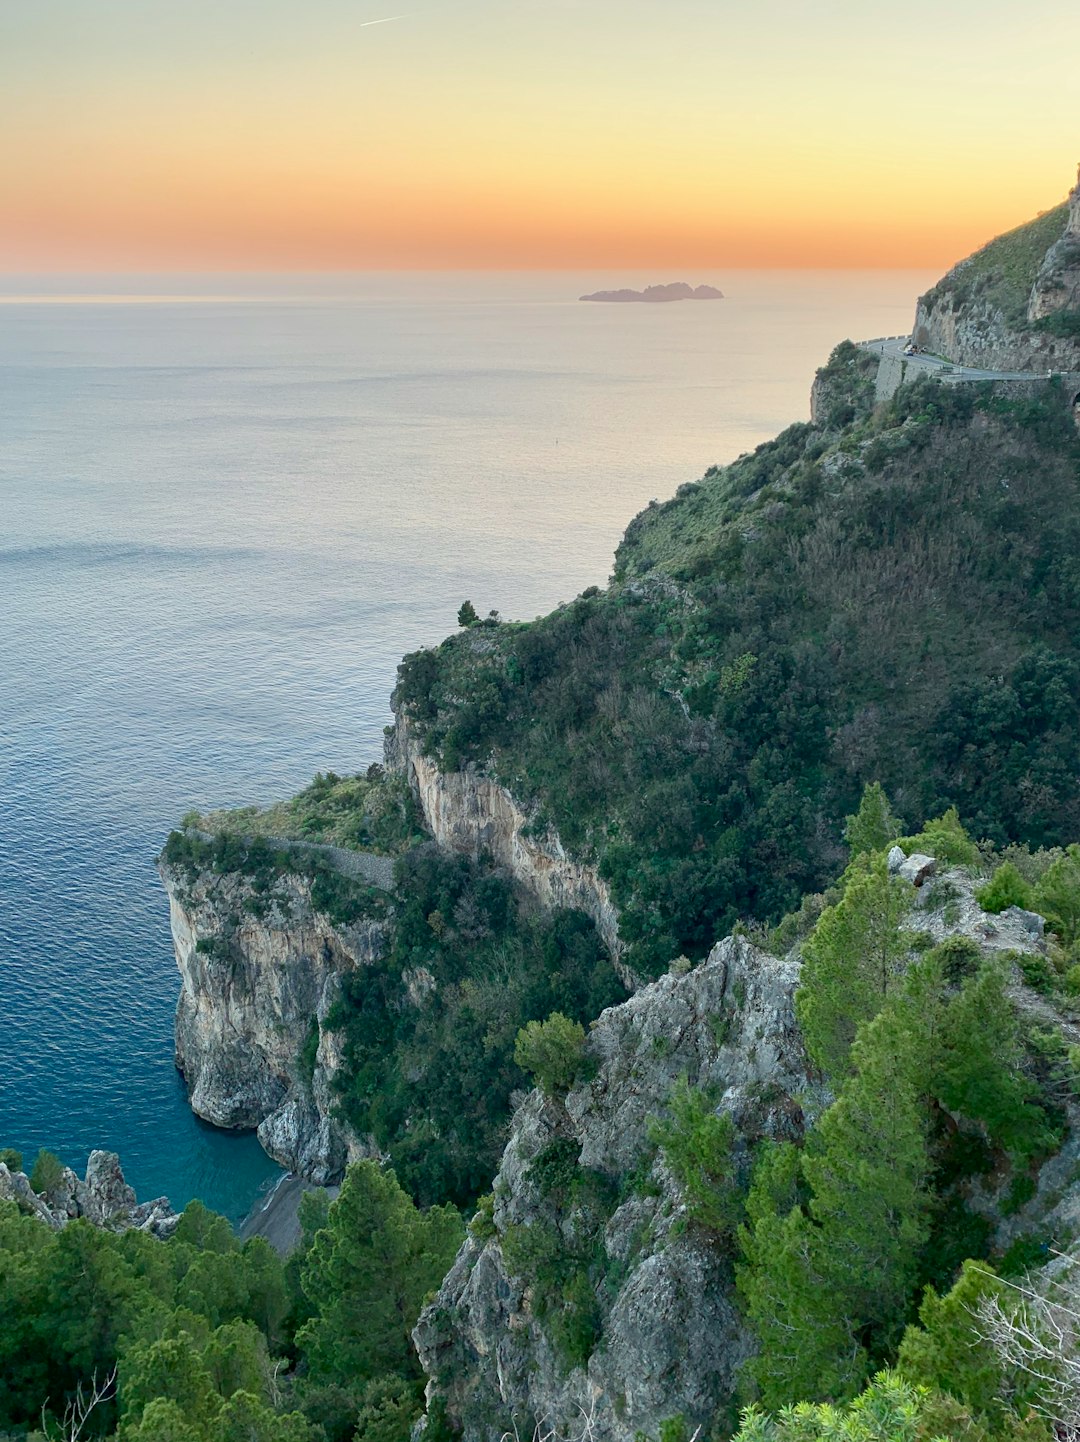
(213, 1341)
(855, 953)
(873, 827)
(1063, 323)
(1004, 889)
(1001, 274)
(376, 1259)
(46, 1172)
(696, 1143)
(561, 1253)
(839, 607)
(891, 1409)
(552, 1052)
(266, 866)
(943, 1082)
(372, 812)
(430, 1032)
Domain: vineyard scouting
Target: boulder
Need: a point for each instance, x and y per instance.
(917, 868)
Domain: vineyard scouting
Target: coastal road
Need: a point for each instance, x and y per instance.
(892, 347)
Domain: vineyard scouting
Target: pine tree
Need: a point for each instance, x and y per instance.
(855, 954)
(874, 826)
(367, 1274)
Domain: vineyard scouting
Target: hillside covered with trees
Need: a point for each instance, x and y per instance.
(891, 595)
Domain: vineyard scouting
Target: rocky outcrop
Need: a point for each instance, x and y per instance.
(967, 318)
(1057, 286)
(258, 976)
(468, 812)
(102, 1197)
(667, 1335)
(649, 1290)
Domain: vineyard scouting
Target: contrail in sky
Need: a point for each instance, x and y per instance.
(384, 21)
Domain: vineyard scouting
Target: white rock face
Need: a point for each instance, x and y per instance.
(670, 1337)
(468, 812)
(252, 990)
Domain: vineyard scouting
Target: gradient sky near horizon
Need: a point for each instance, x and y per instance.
(297, 134)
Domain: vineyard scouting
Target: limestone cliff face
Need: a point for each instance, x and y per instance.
(975, 333)
(258, 979)
(1057, 286)
(468, 812)
(667, 1335)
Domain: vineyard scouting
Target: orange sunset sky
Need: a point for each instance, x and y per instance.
(274, 134)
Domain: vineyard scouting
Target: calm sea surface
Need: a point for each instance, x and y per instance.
(226, 510)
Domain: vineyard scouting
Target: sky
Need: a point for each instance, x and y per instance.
(210, 135)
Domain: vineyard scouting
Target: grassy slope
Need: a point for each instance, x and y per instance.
(1002, 273)
(895, 599)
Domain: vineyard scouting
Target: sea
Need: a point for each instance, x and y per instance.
(228, 506)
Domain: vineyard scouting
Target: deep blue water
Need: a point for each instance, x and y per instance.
(223, 520)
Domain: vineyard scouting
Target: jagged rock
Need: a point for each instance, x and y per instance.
(670, 1336)
(917, 868)
(252, 987)
(104, 1195)
(103, 1199)
(895, 860)
(15, 1187)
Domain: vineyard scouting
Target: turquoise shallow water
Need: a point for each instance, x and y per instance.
(226, 510)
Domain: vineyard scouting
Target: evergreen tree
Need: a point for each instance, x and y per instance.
(367, 1274)
(874, 826)
(855, 954)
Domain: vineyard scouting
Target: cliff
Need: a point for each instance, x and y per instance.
(589, 1289)
(658, 1332)
(468, 812)
(1015, 304)
(102, 1198)
(259, 975)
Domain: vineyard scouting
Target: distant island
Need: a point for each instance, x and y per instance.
(677, 290)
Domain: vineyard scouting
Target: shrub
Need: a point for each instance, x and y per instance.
(48, 1169)
(1072, 981)
(1057, 895)
(958, 957)
(482, 1222)
(1036, 970)
(873, 827)
(467, 614)
(696, 1144)
(945, 838)
(552, 1051)
(13, 1159)
(1004, 889)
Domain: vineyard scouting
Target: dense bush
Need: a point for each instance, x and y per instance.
(551, 1051)
(429, 1032)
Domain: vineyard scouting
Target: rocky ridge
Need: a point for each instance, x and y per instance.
(102, 1198)
(667, 1337)
(670, 1337)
